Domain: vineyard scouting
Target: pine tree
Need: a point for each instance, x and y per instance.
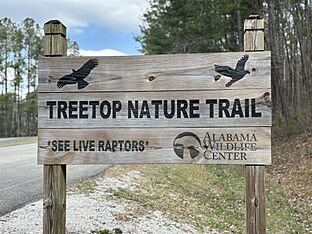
(187, 26)
(33, 48)
(190, 26)
(6, 27)
(18, 64)
(20, 48)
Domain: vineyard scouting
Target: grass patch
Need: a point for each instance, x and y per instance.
(196, 194)
(282, 212)
(85, 187)
(213, 196)
(19, 141)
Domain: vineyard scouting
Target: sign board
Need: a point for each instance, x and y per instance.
(192, 108)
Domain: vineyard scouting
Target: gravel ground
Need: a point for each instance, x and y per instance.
(93, 210)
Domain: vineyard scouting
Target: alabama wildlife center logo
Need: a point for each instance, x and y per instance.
(214, 146)
(187, 145)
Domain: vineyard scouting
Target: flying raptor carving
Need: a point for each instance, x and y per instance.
(79, 75)
(236, 74)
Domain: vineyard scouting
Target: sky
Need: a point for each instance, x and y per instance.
(101, 27)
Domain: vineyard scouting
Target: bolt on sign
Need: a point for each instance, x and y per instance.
(192, 108)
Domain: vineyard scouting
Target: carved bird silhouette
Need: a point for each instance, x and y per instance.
(79, 75)
(236, 74)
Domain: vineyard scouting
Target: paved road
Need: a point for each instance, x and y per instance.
(11, 139)
(21, 177)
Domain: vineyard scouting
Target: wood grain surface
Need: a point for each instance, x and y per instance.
(145, 79)
(157, 72)
(158, 145)
(262, 97)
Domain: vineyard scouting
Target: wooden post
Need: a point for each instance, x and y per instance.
(254, 33)
(255, 191)
(54, 176)
(55, 42)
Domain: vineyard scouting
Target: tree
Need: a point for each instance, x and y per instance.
(178, 26)
(290, 40)
(20, 48)
(72, 48)
(6, 27)
(18, 64)
(190, 26)
(33, 46)
(6, 113)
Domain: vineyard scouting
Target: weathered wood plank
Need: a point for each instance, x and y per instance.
(55, 42)
(204, 119)
(255, 190)
(255, 200)
(146, 145)
(260, 199)
(54, 199)
(54, 176)
(250, 199)
(254, 34)
(54, 45)
(157, 72)
(54, 27)
(254, 24)
(254, 40)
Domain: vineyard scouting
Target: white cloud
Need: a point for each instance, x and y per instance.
(121, 15)
(104, 52)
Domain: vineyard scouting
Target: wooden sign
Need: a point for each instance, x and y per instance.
(192, 108)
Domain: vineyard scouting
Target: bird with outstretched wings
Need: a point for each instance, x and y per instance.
(235, 74)
(79, 75)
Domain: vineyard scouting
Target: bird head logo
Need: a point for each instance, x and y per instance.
(78, 76)
(187, 146)
(235, 74)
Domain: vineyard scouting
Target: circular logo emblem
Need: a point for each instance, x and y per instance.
(187, 145)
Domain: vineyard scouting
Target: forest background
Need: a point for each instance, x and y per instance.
(177, 26)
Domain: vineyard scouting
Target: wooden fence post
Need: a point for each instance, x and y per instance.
(54, 176)
(255, 190)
